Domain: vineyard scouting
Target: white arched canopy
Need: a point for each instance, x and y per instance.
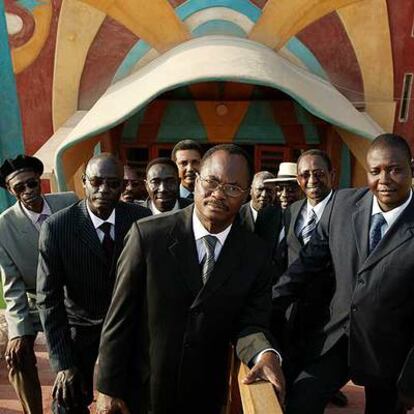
(216, 58)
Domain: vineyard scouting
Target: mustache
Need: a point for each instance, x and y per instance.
(218, 204)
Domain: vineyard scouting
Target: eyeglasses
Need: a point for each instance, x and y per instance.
(318, 174)
(169, 183)
(230, 190)
(96, 182)
(30, 183)
(290, 188)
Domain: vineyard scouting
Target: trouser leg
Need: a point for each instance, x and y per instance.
(313, 387)
(382, 400)
(25, 381)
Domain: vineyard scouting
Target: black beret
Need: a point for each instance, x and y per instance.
(21, 162)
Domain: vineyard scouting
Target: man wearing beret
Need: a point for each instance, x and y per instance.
(19, 229)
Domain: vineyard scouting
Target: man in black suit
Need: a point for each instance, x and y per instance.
(367, 236)
(162, 184)
(188, 283)
(79, 248)
(134, 185)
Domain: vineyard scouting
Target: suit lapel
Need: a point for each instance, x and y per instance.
(360, 226)
(295, 212)
(246, 217)
(25, 227)
(401, 231)
(184, 250)
(121, 227)
(228, 260)
(87, 233)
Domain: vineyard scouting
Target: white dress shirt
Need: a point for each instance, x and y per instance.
(254, 211)
(199, 232)
(96, 221)
(155, 210)
(306, 212)
(34, 217)
(389, 216)
(184, 193)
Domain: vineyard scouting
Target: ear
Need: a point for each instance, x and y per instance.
(9, 189)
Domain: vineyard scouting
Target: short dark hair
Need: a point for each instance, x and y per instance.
(314, 152)
(164, 161)
(233, 150)
(394, 141)
(186, 144)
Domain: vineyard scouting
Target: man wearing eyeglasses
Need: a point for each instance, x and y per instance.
(134, 187)
(19, 230)
(79, 248)
(315, 176)
(162, 184)
(188, 284)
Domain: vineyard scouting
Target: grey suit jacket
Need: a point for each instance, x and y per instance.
(18, 264)
(373, 301)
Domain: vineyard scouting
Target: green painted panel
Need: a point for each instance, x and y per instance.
(345, 179)
(259, 125)
(309, 128)
(181, 121)
(129, 133)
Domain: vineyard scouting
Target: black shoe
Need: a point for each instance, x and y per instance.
(339, 399)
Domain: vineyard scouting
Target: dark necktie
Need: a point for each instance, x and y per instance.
(107, 242)
(208, 261)
(190, 196)
(377, 221)
(308, 228)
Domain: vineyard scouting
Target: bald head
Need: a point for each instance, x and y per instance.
(108, 160)
(391, 141)
(261, 193)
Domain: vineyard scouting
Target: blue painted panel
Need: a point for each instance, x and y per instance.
(181, 121)
(309, 129)
(11, 133)
(129, 133)
(242, 6)
(345, 179)
(259, 125)
(297, 48)
(134, 55)
(219, 27)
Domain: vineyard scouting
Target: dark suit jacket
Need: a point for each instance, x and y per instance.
(373, 301)
(182, 203)
(75, 279)
(159, 291)
(311, 311)
(268, 225)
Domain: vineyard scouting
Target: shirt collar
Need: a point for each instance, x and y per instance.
(184, 193)
(97, 221)
(254, 211)
(33, 216)
(200, 231)
(392, 215)
(320, 207)
(155, 210)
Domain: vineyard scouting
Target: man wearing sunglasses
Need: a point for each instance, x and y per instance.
(19, 229)
(188, 284)
(162, 184)
(79, 249)
(134, 186)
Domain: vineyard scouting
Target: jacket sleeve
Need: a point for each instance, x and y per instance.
(50, 300)
(14, 291)
(118, 347)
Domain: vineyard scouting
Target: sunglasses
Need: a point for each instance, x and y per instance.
(96, 182)
(133, 183)
(31, 183)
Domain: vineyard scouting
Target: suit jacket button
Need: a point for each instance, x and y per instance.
(354, 308)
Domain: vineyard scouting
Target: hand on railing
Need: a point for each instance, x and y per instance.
(268, 369)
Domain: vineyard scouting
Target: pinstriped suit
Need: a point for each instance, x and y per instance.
(75, 281)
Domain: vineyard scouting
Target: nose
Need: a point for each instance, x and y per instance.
(384, 177)
(128, 186)
(162, 187)
(104, 187)
(218, 193)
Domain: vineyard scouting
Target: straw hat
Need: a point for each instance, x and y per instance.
(287, 172)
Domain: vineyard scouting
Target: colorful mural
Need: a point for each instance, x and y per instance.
(58, 57)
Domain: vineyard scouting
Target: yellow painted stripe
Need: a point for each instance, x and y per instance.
(367, 26)
(154, 21)
(77, 28)
(23, 56)
(282, 19)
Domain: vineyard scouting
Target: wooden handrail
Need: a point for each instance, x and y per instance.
(257, 398)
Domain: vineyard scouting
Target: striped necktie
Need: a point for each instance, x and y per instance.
(42, 217)
(308, 228)
(377, 221)
(208, 261)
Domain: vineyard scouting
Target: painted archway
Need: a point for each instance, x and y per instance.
(235, 59)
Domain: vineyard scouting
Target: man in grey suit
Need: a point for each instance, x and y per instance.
(162, 185)
(188, 283)
(367, 237)
(78, 251)
(19, 229)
